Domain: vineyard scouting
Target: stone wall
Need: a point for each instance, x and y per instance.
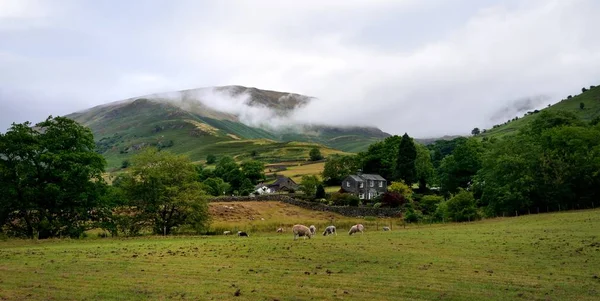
(343, 210)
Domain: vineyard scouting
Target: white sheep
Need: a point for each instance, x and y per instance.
(279, 230)
(241, 233)
(329, 230)
(356, 228)
(226, 232)
(301, 230)
(313, 229)
(386, 228)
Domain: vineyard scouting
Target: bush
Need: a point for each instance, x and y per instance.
(125, 164)
(461, 207)
(392, 199)
(412, 215)
(376, 205)
(211, 159)
(429, 203)
(344, 199)
(320, 192)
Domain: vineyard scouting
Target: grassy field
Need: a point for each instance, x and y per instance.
(295, 170)
(535, 257)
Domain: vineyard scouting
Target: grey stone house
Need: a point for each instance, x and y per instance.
(365, 186)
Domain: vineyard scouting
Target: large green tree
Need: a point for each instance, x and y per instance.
(51, 179)
(339, 167)
(424, 167)
(309, 184)
(380, 158)
(253, 170)
(457, 170)
(163, 190)
(405, 162)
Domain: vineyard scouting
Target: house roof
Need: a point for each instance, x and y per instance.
(356, 178)
(372, 177)
(283, 181)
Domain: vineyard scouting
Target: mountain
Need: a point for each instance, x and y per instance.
(228, 120)
(590, 98)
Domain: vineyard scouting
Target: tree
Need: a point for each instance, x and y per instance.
(475, 132)
(320, 194)
(51, 179)
(405, 163)
(215, 186)
(253, 170)
(583, 90)
(309, 184)
(211, 159)
(315, 154)
(380, 158)
(424, 167)
(163, 189)
(581, 105)
(246, 188)
(339, 167)
(228, 170)
(458, 169)
(125, 164)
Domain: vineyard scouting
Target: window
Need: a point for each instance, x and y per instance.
(370, 196)
(371, 183)
(380, 184)
(361, 196)
(347, 183)
(361, 185)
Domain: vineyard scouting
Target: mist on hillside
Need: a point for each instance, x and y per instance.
(220, 103)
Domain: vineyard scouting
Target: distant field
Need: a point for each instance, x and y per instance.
(535, 257)
(296, 170)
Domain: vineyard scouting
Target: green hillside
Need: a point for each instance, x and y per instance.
(121, 129)
(591, 110)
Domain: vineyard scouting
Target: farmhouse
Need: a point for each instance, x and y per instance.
(365, 186)
(282, 184)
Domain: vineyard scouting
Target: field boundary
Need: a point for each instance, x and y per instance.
(342, 210)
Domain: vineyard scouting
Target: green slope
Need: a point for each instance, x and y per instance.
(591, 110)
(122, 129)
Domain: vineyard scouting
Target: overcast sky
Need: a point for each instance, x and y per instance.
(426, 67)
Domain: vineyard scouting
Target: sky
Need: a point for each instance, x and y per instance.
(426, 67)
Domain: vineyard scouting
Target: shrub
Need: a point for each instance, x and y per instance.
(402, 189)
(344, 199)
(125, 164)
(412, 215)
(211, 159)
(392, 199)
(376, 205)
(429, 203)
(461, 207)
(320, 192)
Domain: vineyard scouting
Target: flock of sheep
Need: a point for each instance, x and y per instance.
(304, 231)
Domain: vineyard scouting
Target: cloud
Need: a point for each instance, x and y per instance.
(428, 68)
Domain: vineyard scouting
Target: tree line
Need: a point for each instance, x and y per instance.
(551, 164)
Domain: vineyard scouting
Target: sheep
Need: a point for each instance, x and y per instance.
(301, 230)
(386, 228)
(241, 233)
(226, 232)
(329, 230)
(279, 230)
(356, 228)
(313, 229)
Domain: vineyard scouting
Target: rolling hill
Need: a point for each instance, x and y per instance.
(591, 109)
(188, 122)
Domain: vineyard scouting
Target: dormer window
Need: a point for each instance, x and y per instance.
(380, 184)
(361, 185)
(371, 183)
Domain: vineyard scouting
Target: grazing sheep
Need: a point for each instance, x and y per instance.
(301, 230)
(226, 232)
(241, 233)
(386, 228)
(280, 230)
(329, 230)
(313, 229)
(356, 228)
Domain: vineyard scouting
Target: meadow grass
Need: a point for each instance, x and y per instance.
(536, 257)
(297, 170)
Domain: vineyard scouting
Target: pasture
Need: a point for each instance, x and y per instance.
(536, 257)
